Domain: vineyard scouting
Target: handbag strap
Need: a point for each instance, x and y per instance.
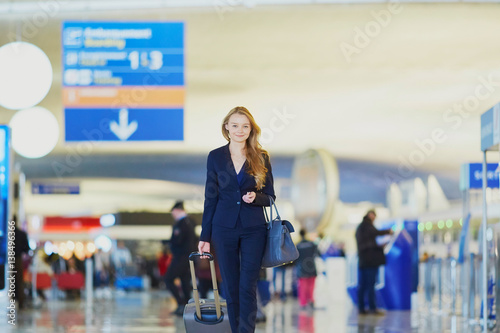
(271, 205)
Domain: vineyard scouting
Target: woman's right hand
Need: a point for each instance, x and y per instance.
(203, 247)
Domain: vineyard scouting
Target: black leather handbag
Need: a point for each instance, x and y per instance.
(280, 249)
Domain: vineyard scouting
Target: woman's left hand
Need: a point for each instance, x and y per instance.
(249, 197)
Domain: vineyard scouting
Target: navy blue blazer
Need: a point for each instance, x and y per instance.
(223, 194)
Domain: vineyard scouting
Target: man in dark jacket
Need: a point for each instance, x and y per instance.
(371, 256)
(182, 243)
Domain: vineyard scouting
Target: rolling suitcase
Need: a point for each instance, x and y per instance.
(205, 315)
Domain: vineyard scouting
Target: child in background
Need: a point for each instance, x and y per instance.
(306, 270)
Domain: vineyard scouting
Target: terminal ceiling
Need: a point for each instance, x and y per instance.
(394, 93)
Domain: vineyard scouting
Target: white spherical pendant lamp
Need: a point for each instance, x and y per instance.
(25, 75)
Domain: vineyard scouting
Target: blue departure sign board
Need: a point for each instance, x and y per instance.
(124, 79)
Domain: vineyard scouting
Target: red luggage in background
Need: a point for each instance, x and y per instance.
(70, 281)
(43, 281)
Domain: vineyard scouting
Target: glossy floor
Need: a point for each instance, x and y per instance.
(150, 312)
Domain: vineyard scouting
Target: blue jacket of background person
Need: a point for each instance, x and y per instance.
(223, 194)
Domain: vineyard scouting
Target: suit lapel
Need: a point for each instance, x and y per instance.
(229, 164)
(247, 179)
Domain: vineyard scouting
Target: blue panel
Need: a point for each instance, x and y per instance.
(398, 283)
(54, 188)
(171, 61)
(464, 235)
(123, 53)
(412, 228)
(140, 79)
(4, 192)
(476, 175)
(487, 130)
(96, 124)
(167, 35)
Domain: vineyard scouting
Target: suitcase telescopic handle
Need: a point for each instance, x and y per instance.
(198, 254)
(196, 295)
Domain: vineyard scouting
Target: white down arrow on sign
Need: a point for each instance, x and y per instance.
(123, 130)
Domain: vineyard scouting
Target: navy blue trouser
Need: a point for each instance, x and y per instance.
(366, 285)
(239, 252)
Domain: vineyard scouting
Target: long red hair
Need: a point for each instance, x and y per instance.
(255, 154)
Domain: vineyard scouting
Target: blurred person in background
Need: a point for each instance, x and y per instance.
(121, 258)
(182, 243)
(76, 264)
(306, 270)
(102, 268)
(149, 252)
(280, 270)
(21, 248)
(371, 256)
(57, 263)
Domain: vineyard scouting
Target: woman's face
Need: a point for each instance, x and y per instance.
(239, 127)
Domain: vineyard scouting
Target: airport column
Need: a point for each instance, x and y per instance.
(490, 140)
(485, 253)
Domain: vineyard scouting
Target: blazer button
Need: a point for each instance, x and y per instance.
(238, 203)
